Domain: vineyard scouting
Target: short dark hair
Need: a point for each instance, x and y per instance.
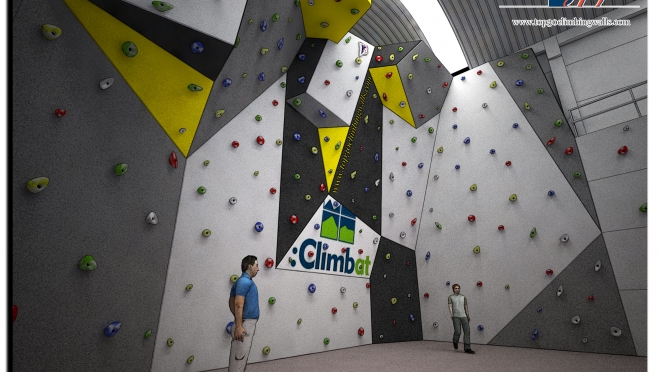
(247, 261)
(454, 286)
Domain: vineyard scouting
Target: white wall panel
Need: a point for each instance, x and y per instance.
(618, 198)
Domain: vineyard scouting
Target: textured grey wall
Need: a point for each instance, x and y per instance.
(86, 209)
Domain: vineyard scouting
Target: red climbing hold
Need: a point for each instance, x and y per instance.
(408, 263)
(310, 254)
(273, 190)
(394, 322)
(60, 113)
(269, 262)
(403, 164)
(479, 72)
(368, 285)
(471, 218)
(14, 313)
(360, 251)
(454, 109)
(260, 140)
(508, 163)
(568, 151)
(590, 298)
(293, 219)
(343, 250)
(361, 148)
(173, 160)
(385, 97)
(623, 150)
(388, 75)
(275, 103)
(234, 144)
(439, 66)
(445, 84)
(426, 295)
(500, 227)
(379, 59)
(413, 222)
(421, 116)
(322, 187)
(327, 82)
(361, 331)
(551, 141)
(549, 272)
(479, 284)
(334, 310)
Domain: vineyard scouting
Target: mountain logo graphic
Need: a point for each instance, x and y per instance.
(338, 223)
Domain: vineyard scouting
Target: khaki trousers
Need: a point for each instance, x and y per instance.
(240, 350)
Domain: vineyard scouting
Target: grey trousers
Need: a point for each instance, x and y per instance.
(458, 322)
(240, 350)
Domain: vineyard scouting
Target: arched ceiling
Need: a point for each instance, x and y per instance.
(387, 22)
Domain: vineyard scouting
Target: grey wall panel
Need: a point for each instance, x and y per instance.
(607, 118)
(553, 86)
(642, 106)
(599, 150)
(640, 91)
(628, 252)
(309, 108)
(635, 303)
(86, 209)
(555, 329)
(247, 58)
(543, 62)
(605, 39)
(617, 200)
(609, 63)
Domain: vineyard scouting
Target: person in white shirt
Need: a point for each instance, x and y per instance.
(458, 311)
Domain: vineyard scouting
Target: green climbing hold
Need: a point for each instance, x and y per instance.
(391, 121)
(366, 119)
(206, 233)
(299, 320)
(170, 342)
(201, 190)
(233, 278)
(473, 187)
(500, 63)
(397, 148)
(266, 350)
(493, 84)
(190, 360)
(162, 6)
(400, 49)
(387, 256)
(87, 263)
(427, 59)
(121, 169)
(440, 150)
(326, 341)
(238, 41)
(147, 334)
(315, 150)
(410, 76)
(278, 142)
(219, 113)
(413, 140)
(256, 173)
(276, 17)
(271, 300)
(51, 32)
(298, 37)
(355, 11)
(393, 300)
(533, 233)
(506, 286)
(284, 69)
(353, 174)
(476, 249)
(339, 63)
(258, 118)
(129, 49)
(361, 229)
(431, 129)
(264, 51)
(513, 197)
(558, 123)
(347, 40)
(189, 287)
(524, 56)
(37, 185)
(297, 102)
(392, 57)
(195, 88)
(297, 3)
(414, 57)
(308, 197)
(643, 208)
(438, 225)
(529, 67)
(577, 174)
(358, 60)
(527, 106)
(540, 91)
(283, 84)
(338, 145)
(207, 162)
(355, 305)
(374, 217)
(296, 176)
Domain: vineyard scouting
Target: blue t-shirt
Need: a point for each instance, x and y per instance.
(245, 287)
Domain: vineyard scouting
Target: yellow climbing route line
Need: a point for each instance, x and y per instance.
(393, 87)
(159, 79)
(330, 152)
(335, 14)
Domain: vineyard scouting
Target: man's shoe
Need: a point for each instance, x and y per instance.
(469, 351)
(456, 345)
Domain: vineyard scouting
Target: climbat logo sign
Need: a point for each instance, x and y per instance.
(334, 241)
(567, 3)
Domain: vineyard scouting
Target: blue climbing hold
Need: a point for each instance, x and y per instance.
(323, 114)
(312, 288)
(302, 56)
(420, 165)
(409, 192)
(112, 329)
(428, 255)
(197, 47)
(261, 77)
(457, 166)
(357, 78)
(466, 140)
(335, 204)
(325, 246)
(463, 78)
(263, 26)
(515, 125)
(412, 318)
(259, 226)
(280, 44)
(454, 126)
(226, 82)
(492, 151)
(228, 328)
(317, 226)
(366, 189)
(551, 193)
(376, 157)
(301, 80)
(480, 327)
(535, 334)
(296, 136)
(519, 83)
(539, 310)
(447, 282)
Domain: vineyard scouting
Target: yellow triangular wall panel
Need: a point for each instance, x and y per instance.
(330, 151)
(393, 88)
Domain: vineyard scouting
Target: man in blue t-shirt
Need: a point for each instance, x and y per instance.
(244, 304)
(458, 310)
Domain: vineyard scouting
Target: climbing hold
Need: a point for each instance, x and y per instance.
(106, 83)
(273, 190)
(466, 140)
(206, 233)
(454, 110)
(591, 298)
(479, 284)
(293, 219)
(539, 310)
(492, 151)
(507, 286)
(326, 341)
(493, 84)
(551, 193)
(296, 176)
(37, 185)
(533, 233)
(457, 166)
(614, 331)
(524, 56)
(87, 263)
(334, 310)
(558, 122)
(623, 150)
(402, 104)
(207, 162)
(577, 174)
(564, 238)
(568, 151)
(473, 187)
(280, 44)
(413, 222)
(197, 47)
(296, 136)
(315, 150)
(174, 162)
(410, 76)
(597, 266)
(129, 49)
(162, 6)
(392, 57)
(219, 113)
(438, 225)
(575, 319)
(484, 105)
(535, 334)
(479, 72)
(322, 114)
(549, 272)
(189, 287)
(233, 278)
(500, 63)
(120, 170)
(170, 342)
(60, 113)
(421, 116)
(626, 128)
(388, 75)
(551, 141)
(261, 76)
(560, 290)
(500, 227)
(226, 82)
(322, 187)
(414, 57)
(301, 80)
(112, 329)
(471, 218)
(393, 300)
(513, 197)
(376, 157)
(298, 36)
(519, 82)
(409, 192)
(235, 144)
(263, 26)
(339, 63)
(51, 32)
(440, 150)
(476, 249)
(643, 208)
(147, 334)
(271, 300)
(480, 327)
(311, 288)
(515, 125)
(195, 88)
(152, 218)
(540, 91)
(278, 142)
(508, 163)
(233, 200)
(527, 106)
(259, 226)
(428, 90)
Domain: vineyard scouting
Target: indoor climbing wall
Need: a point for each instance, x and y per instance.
(499, 201)
(95, 200)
